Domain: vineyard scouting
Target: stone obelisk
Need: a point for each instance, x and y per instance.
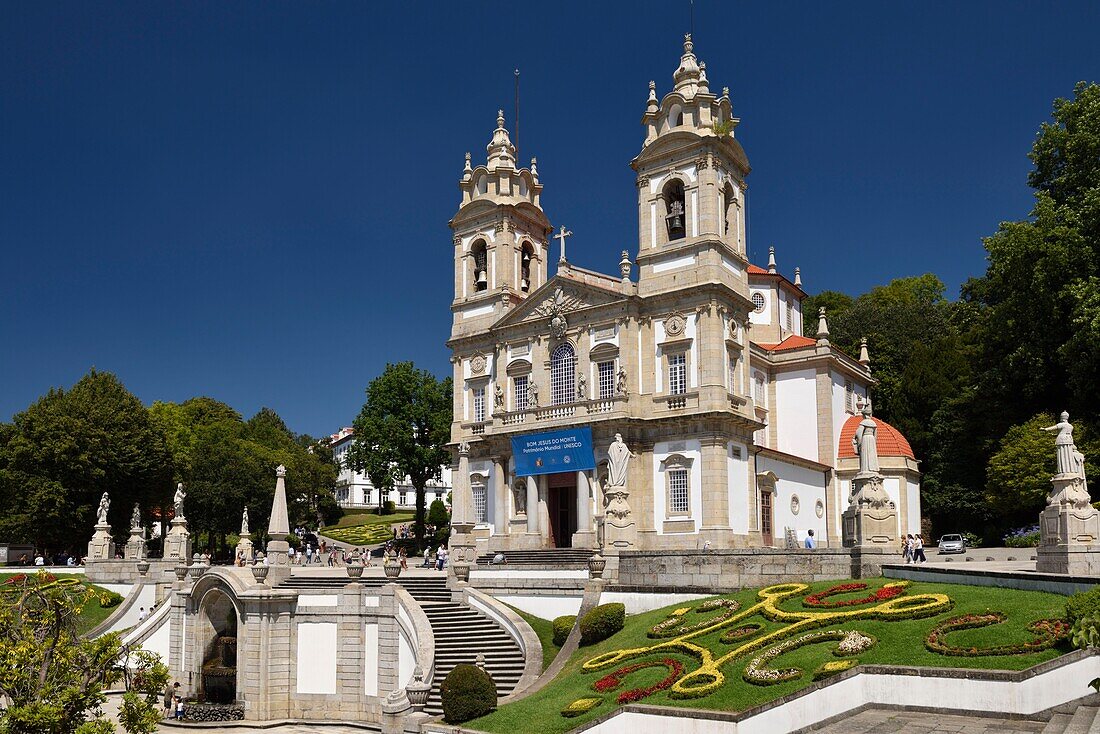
(278, 550)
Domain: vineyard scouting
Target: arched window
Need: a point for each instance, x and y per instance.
(482, 185)
(675, 213)
(731, 226)
(527, 255)
(563, 374)
(481, 271)
(675, 116)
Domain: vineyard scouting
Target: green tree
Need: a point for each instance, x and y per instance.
(52, 679)
(438, 515)
(407, 417)
(836, 305)
(1018, 474)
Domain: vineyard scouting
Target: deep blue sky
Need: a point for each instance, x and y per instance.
(250, 200)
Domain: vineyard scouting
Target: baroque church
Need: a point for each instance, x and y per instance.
(740, 426)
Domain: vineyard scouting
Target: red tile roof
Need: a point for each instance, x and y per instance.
(889, 440)
(757, 270)
(794, 341)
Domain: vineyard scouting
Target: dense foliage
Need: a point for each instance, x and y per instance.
(601, 622)
(563, 625)
(467, 692)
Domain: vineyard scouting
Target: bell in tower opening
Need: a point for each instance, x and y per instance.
(481, 279)
(674, 201)
(525, 268)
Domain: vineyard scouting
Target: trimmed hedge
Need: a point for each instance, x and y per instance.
(468, 692)
(602, 622)
(562, 627)
(1083, 604)
(110, 599)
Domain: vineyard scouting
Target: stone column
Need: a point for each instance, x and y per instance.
(532, 504)
(462, 498)
(501, 511)
(585, 537)
(462, 545)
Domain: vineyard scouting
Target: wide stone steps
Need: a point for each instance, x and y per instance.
(555, 557)
(426, 590)
(1085, 720)
(461, 633)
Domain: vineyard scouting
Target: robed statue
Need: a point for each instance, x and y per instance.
(618, 459)
(178, 500)
(1067, 453)
(104, 505)
(865, 442)
(135, 517)
(244, 522)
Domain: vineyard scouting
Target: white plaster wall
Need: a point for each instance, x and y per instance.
(316, 657)
(525, 574)
(370, 659)
(913, 491)
(809, 485)
(160, 642)
(674, 264)
(692, 450)
(737, 470)
(636, 603)
(318, 600)
(406, 659)
(796, 413)
(547, 607)
(765, 316)
(892, 485)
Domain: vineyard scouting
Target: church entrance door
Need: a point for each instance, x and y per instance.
(561, 498)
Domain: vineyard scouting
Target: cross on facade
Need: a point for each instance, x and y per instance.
(561, 235)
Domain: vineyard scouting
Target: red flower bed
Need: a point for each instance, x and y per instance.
(21, 579)
(1049, 632)
(818, 600)
(613, 680)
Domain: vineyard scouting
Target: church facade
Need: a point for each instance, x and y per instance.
(737, 421)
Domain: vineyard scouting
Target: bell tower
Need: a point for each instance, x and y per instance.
(691, 185)
(500, 236)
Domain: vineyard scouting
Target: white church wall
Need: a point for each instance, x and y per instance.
(765, 316)
(370, 659)
(796, 413)
(690, 332)
(808, 485)
(316, 657)
(737, 471)
(913, 507)
(892, 485)
(691, 450)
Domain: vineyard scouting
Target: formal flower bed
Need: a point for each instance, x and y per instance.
(854, 643)
(818, 600)
(580, 706)
(1049, 632)
(672, 626)
(758, 672)
(833, 667)
(743, 632)
(614, 680)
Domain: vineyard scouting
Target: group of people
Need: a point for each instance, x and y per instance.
(912, 547)
(64, 558)
(173, 702)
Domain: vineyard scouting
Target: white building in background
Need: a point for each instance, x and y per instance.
(354, 490)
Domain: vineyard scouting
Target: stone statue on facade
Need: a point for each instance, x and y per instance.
(1064, 446)
(620, 384)
(865, 442)
(104, 506)
(498, 398)
(519, 496)
(620, 530)
(582, 387)
(244, 522)
(532, 395)
(618, 459)
(181, 495)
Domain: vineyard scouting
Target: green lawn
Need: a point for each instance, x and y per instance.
(544, 628)
(366, 528)
(899, 642)
(92, 614)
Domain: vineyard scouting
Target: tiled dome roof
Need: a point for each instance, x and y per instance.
(889, 439)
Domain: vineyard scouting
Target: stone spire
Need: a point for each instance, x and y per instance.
(822, 328)
(864, 356)
(798, 277)
(771, 260)
(467, 171)
(501, 151)
(652, 105)
(688, 74)
(279, 526)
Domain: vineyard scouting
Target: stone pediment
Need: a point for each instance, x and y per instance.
(555, 301)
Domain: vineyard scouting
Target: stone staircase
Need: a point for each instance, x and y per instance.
(1085, 720)
(424, 589)
(567, 558)
(460, 634)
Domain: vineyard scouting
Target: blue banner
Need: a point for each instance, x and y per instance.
(554, 452)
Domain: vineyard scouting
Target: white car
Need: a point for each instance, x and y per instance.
(953, 543)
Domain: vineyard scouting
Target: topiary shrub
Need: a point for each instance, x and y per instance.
(468, 692)
(388, 507)
(562, 627)
(437, 514)
(602, 622)
(1083, 604)
(110, 599)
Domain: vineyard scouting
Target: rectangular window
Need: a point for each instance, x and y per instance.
(849, 397)
(519, 391)
(759, 391)
(790, 313)
(677, 373)
(733, 373)
(479, 404)
(481, 496)
(401, 498)
(607, 379)
(678, 491)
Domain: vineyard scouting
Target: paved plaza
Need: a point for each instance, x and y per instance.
(881, 721)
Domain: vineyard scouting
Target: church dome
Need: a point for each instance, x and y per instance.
(889, 439)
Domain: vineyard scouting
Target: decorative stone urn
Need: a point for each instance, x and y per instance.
(418, 690)
(143, 566)
(197, 570)
(181, 570)
(355, 570)
(259, 572)
(596, 565)
(392, 567)
(462, 571)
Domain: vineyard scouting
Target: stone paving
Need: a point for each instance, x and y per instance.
(882, 721)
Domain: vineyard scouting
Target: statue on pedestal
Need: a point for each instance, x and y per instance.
(618, 459)
(104, 505)
(865, 442)
(1070, 486)
(244, 522)
(178, 500)
(1069, 526)
(871, 517)
(620, 530)
(135, 517)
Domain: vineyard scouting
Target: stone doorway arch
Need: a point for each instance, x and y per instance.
(217, 629)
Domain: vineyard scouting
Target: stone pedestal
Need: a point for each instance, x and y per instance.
(135, 547)
(102, 545)
(461, 550)
(619, 527)
(871, 519)
(244, 548)
(178, 543)
(1069, 530)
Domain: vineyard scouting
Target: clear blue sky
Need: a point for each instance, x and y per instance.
(250, 200)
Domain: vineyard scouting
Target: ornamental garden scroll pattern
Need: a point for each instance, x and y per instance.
(681, 633)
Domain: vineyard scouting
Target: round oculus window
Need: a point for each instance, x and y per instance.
(758, 301)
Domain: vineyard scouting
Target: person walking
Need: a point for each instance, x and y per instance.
(403, 556)
(918, 550)
(169, 699)
(811, 543)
